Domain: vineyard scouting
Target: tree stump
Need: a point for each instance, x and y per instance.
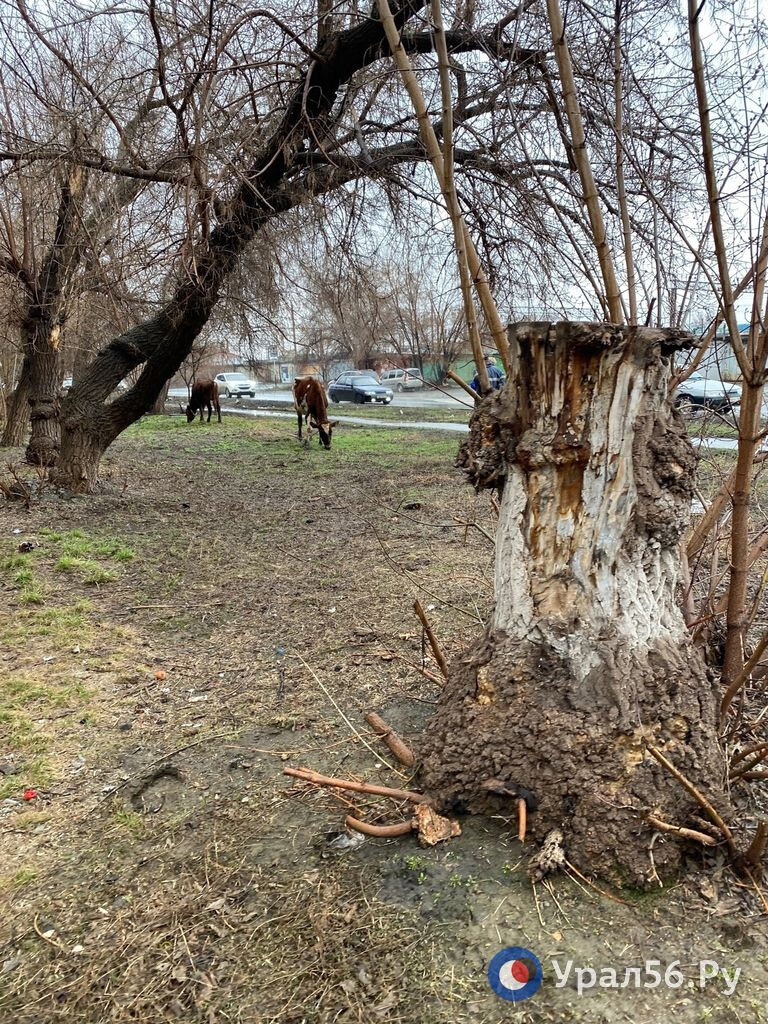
(587, 657)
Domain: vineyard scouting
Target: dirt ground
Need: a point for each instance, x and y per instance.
(231, 605)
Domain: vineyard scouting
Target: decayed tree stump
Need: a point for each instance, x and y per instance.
(587, 656)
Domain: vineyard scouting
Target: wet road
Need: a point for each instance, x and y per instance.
(724, 444)
(422, 399)
(413, 400)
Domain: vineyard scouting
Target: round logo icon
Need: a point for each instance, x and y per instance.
(515, 974)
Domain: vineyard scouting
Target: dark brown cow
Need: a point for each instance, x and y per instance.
(311, 403)
(205, 394)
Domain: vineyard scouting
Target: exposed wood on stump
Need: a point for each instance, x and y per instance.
(587, 659)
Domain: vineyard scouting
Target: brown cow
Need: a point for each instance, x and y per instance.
(311, 403)
(205, 393)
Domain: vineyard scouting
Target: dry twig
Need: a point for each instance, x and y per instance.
(700, 799)
(436, 649)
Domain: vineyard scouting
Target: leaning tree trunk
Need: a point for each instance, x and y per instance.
(587, 659)
(17, 411)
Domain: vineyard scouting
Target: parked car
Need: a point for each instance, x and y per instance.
(358, 387)
(68, 383)
(403, 380)
(708, 392)
(234, 385)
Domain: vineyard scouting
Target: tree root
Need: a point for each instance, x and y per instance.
(307, 775)
(396, 744)
(402, 828)
(700, 799)
(679, 830)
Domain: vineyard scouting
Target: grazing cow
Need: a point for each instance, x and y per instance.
(311, 403)
(205, 394)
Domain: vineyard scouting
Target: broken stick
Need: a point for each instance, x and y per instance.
(462, 384)
(436, 650)
(396, 744)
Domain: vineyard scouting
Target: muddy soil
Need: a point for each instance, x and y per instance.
(230, 605)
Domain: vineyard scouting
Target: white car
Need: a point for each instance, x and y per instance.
(708, 392)
(235, 385)
(409, 379)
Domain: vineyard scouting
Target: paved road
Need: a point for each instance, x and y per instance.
(414, 400)
(423, 399)
(460, 428)
(724, 444)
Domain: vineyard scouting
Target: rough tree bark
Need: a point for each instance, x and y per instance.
(587, 658)
(17, 411)
(46, 318)
(44, 347)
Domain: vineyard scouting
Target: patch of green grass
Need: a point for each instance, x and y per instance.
(89, 571)
(64, 625)
(19, 569)
(23, 877)
(98, 575)
(36, 772)
(9, 786)
(711, 428)
(32, 594)
(18, 692)
(130, 820)
(15, 560)
(68, 563)
(78, 544)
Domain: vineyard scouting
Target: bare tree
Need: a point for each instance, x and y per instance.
(227, 170)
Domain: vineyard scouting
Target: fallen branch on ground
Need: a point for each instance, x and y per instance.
(436, 649)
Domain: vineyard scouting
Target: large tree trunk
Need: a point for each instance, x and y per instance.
(587, 659)
(47, 315)
(44, 383)
(77, 467)
(17, 411)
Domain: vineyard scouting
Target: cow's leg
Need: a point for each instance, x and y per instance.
(202, 409)
(300, 419)
(218, 408)
(210, 411)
